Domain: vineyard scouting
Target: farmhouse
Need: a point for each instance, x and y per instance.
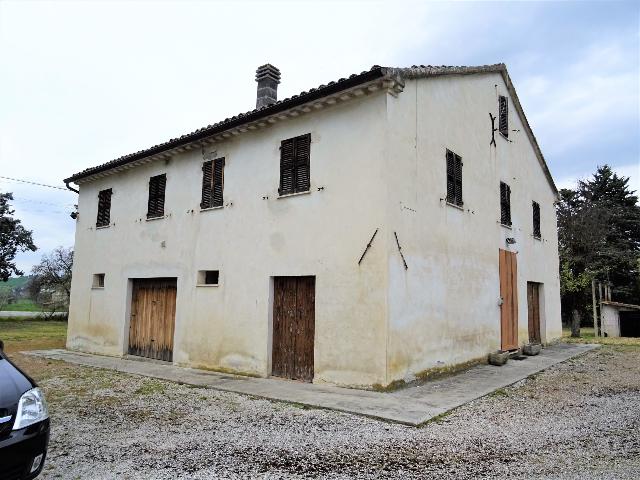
(359, 233)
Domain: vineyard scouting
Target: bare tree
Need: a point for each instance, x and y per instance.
(5, 296)
(52, 278)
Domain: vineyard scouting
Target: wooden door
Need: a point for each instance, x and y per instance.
(533, 306)
(153, 312)
(509, 294)
(293, 327)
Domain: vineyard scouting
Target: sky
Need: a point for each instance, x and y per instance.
(82, 83)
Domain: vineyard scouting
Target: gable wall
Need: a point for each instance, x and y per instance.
(250, 240)
(445, 309)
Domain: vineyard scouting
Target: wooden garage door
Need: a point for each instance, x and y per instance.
(293, 327)
(509, 294)
(153, 312)
(533, 307)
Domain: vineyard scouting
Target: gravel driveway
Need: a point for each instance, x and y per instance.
(579, 419)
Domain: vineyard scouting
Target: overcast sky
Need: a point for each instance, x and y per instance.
(82, 83)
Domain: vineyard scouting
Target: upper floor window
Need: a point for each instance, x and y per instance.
(505, 204)
(454, 178)
(155, 207)
(536, 220)
(104, 208)
(212, 183)
(295, 175)
(503, 113)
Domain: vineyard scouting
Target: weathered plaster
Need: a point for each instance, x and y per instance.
(444, 308)
(376, 162)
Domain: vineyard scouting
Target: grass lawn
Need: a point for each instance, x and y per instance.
(587, 336)
(20, 334)
(22, 305)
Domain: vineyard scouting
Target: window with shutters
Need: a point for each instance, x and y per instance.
(454, 179)
(536, 220)
(505, 204)
(295, 176)
(155, 207)
(212, 184)
(503, 111)
(104, 208)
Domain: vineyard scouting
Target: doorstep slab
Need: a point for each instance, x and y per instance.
(409, 406)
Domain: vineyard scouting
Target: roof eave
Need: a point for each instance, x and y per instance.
(375, 73)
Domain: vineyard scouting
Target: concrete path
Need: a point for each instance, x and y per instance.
(8, 314)
(410, 406)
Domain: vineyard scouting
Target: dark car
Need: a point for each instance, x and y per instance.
(24, 423)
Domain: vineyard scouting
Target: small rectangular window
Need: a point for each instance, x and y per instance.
(505, 204)
(155, 206)
(295, 175)
(98, 280)
(503, 122)
(208, 277)
(536, 220)
(454, 178)
(104, 208)
(212, 183)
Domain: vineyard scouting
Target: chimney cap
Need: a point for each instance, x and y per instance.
(268, 71)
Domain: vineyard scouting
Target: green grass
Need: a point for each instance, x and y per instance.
(22, 305)
(149, 387)
(32, 334)
(587, 336)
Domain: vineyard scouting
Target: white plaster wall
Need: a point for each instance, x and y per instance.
(250, 240)
(381, 161)
(444, 309)
(611, 320)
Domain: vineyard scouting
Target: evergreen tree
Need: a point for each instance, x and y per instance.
(616, 260)
(598, 238)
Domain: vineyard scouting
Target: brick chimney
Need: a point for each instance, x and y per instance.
(268, 78)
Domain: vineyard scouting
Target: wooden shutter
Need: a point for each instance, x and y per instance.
(104, 208)
(503, 122)
(451, 184)
(212, 183)
(155, 207)
(286, 167)
(207, 184)
(458, 179)
(218, 182)
(454, 178)
(505, 204)
(295, 172)
(302, 157)
(536, 219)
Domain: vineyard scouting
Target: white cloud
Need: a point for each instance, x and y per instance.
(573, 105)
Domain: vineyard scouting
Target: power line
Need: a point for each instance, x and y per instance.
(34, 183)
(28, 200)
(43, 210)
